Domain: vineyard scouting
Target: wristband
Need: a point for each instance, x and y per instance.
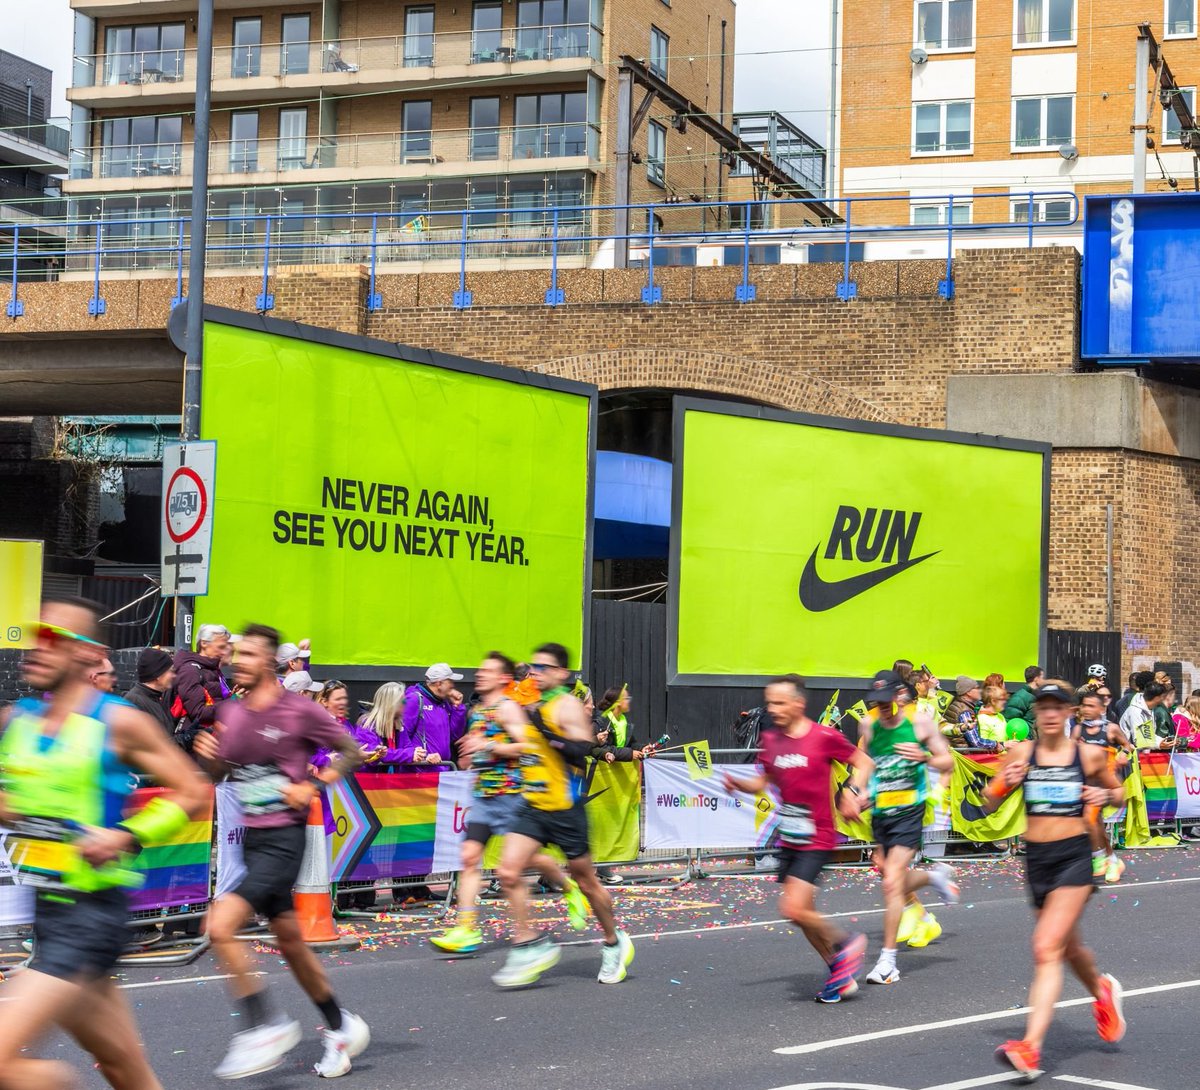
(158, 821)
(997, 788)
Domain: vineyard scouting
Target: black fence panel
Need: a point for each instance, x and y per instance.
(1070, 653)
(141, 625)
(629, 646)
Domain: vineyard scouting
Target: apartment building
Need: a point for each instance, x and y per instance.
(976, 99)
(505, 108)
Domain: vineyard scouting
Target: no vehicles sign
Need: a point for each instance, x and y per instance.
(188, 473)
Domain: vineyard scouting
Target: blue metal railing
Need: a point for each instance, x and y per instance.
(94, 245)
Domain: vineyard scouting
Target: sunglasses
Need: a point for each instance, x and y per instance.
(540, 666)
(50, 636)
(329, 686)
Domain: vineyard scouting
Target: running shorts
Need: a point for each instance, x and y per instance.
(566, 828)
(80, 939)
(273, 858)
(899, 828)
(1057, 863)
(492, 815)
(805, 864)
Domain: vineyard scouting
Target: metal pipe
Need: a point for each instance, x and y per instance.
(1140, 111)
(721, 117)
(1108, 563)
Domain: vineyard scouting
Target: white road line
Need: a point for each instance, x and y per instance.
(1079, 1080)
(983, 1080)
(949, 1023)
(181, 980)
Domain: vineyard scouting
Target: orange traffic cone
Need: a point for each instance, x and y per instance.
(311, 895)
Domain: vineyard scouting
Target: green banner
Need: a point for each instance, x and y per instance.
(968, 814)
(828, 548)
(397, 513)
(613, 802)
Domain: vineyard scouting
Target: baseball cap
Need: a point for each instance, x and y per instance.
(289, 651)
(301, 682)
(207, 632)
(1051, 691)
(964, 684)
(440, 671)
(885, 687)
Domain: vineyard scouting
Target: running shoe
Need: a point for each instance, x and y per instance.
(1022, 1057)
(885, 972)
(1099, 867)
(609, 876)
(342, 1045)
(909, 919)
(1110, 1022)
(830, 993)
(459, 940)
(941, 877)
(527, 962)
(1114, 870)
(263, 1048)
(848, 963)
(578, 908)
(927, 930)
(616, 959)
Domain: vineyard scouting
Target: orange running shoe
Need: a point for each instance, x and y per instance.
(1022, 1057)
(1110, 1022)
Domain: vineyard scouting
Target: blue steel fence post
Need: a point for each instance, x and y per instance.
(266, 301)
(374, 298)
(847, 289)
(651, 293)
(15, 308)
(96, 305)
(462, 297)
(1030, 213)
(745, 290)
(178, 267)
(554, 295)
(946, 287)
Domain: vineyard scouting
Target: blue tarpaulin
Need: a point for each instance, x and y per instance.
(633, 506)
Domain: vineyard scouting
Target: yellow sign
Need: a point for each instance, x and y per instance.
(699, 760)
(20, 591)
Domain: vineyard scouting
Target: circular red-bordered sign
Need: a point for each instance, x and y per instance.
(192, 521)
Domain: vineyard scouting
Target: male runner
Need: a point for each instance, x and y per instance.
(797, 758)
(901, 742)
(495, 742)
(266, 741)
(559, 731)
(66, 771)
(1096, 729)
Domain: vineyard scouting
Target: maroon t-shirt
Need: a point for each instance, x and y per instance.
(799, 768)
(269, 749)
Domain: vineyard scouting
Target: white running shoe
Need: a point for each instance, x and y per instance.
(342, 1045)
(527, 962)
(614, 960)
(263, 1048)
(941, 877)
(885, 972)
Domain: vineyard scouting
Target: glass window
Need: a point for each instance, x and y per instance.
(656, 153)
(483, 199)
(243, 141)
(659, 48)
(418, 37)
(1172, 130)
(1180, 18)
(934, 214)
(550, 125)
(141, 146)
(485, 128)
(417, 137)
(1043, 122)
(945, 24)
(927, 132)
(294, 50)
(942, 127)
(118, 55)
(485, 32)
(293, 139)
(549, 29)
(1044, 211)
(1041, 22)
(144, 54)
(247, 48)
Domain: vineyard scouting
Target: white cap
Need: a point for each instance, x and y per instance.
(440, 671)
(289, 651)
(206, 633)
(301, 682)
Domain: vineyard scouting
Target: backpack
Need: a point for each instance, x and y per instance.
(748, 727)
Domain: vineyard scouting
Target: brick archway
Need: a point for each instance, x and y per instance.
(712, 372)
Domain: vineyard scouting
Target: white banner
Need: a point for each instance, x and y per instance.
(453, 805)
(1186, 767)
(16, 902)
(230, 833)
(686, 813)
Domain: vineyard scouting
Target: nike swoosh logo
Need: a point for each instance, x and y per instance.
(817, 595)
(588, 798)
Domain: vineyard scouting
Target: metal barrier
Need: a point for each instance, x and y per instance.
(267, 241)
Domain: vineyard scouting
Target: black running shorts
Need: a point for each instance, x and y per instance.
(273, 859)
(899, 828)
(80, 940)
(566, 828)
(805, 864)
(1057, 863)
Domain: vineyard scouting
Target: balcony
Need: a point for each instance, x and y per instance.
(38, 144)
(164, 77)
(394, 155)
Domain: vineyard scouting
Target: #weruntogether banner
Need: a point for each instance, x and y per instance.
(1186, 767)
(686, 813)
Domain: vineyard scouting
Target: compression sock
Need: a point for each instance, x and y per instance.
(331, 1012)
(255, 1008)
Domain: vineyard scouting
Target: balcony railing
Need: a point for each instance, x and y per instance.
(359, 151)
(52, 135)
(513, 45)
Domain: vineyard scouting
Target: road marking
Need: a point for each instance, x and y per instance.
(182, 980)
(949, 1023)
(983, 1080)
(1079, 1080)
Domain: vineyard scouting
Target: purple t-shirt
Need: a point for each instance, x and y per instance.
(269, 749)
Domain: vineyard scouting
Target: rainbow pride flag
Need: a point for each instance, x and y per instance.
(1158, 782)
(177, 873)
(405, 805)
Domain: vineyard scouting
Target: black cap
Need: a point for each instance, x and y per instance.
(1051, 691)
(885, 687)
(152, 663)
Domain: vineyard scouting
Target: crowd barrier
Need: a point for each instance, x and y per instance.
(387, 828)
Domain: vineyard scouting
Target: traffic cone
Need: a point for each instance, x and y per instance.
(311, 895)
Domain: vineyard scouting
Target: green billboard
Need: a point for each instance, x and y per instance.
(833, 547)
(397, 506)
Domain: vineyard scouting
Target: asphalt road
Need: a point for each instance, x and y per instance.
(720, 996)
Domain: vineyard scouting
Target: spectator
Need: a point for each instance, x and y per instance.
(994, 680)
(904, 668)
(990, 721)
(301, 681)
(103, 677)
(155, 673)
(1020, 704)
(926, 687)
(384, 717)
(960, 714)
(199, 686)
(292, 658)
(1163, 726)
(1137, 682)
(1097, 675)
(435, 717)
(1137, 723)
(335, 699)
(615, 735)
(1187, 723)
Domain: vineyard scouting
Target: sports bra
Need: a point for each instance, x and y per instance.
(1054, 790)
(1094, 733)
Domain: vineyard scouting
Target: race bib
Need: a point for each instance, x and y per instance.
(796, 826)
(1053, 793)
(260, 789)
(42, 850)
(890, 800)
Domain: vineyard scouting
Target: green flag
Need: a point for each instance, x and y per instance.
(968, 780)
(699, 760)
(612, 803)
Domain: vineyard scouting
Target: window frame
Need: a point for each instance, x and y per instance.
(1177, 140)
(252, 67)
(488, 136)
(940, 150)
(938, 51)
(291, 142)
(415, 39)
(1045, 43)
(1039, 210)
(1169, 35)
(407, 133)
(1043, 147)
(245, 161)
(659, 37)
(656, 177)
(941, 206)
(286, 44)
